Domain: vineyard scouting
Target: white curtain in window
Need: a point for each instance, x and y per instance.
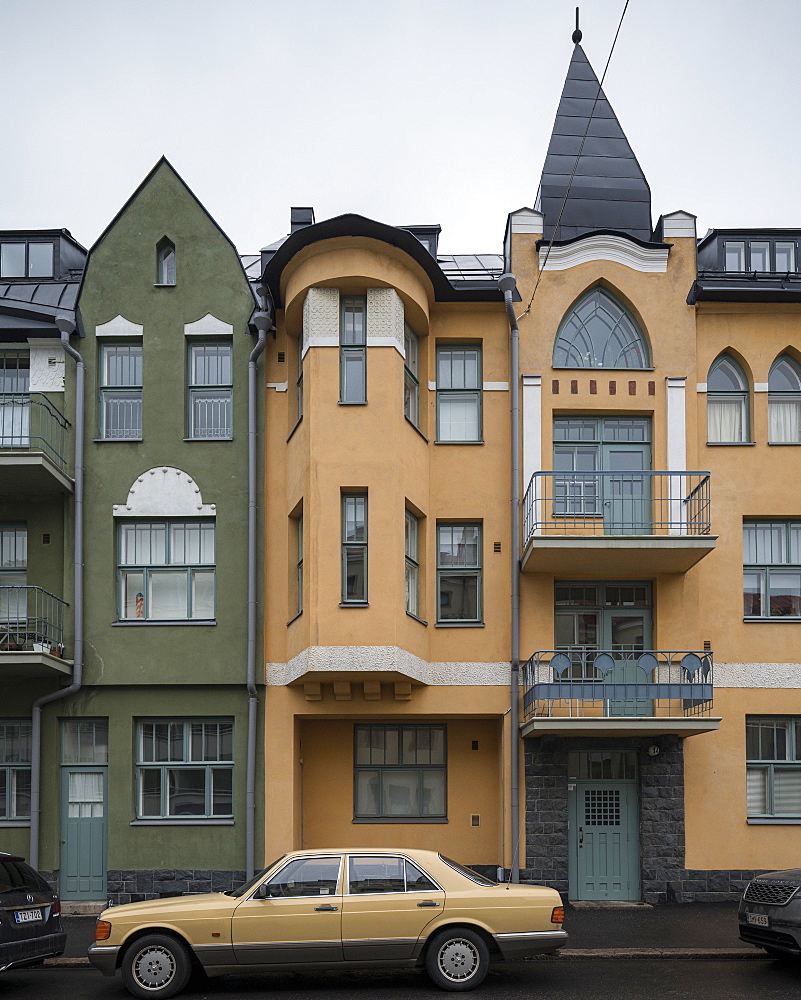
(458, 418)
(85, 795)
(725, 420)
(15, 419)
(787, 791)
(757, 791)
(784, 418)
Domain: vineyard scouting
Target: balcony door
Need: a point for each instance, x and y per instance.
(15, 404)
(604, 461)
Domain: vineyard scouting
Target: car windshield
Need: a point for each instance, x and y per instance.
(243, 889)
(468, 872)
(15, 875)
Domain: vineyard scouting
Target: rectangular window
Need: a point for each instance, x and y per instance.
(773, 766)
(299, 384)
(121, 392)
(734, 256)
(166, 570)
(210, 391)
(15, 404)
(354, 548)
(400, 772)
(13, 590)
(353, 349)
(411, 376)
(458, 573)
(412, 564)
(760, 255)
(15, 770)
(785, 256)
(458, 394)
(299, 565)
(772, 569)
(40, 260)
(84, 741)
(184, 768)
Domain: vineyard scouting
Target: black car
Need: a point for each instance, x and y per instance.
(770, 913)
(30, 915)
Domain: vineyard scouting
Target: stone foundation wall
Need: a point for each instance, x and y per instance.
(129, 886)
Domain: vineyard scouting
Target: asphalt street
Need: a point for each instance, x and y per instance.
(544, 979)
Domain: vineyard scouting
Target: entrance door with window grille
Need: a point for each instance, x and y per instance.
(84, 825)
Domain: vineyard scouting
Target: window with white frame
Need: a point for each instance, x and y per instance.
(15, 769)
(354, 548)
(26, 260)
(121, 392)
(210, 391)
(353, 349)
(726, 402)
(459, 388)
(784, 401)
(412, 541)
(411, 376)
(400, 772)
(773, 766)
(165, 262)
(459, 573)
(166, 570)
(184, 768)
(772, 569)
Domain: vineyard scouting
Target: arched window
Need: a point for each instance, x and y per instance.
(165, 263)
(599, 332)
(784, 401)
(726, 402)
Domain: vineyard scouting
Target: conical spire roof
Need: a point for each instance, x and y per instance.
(609, 190)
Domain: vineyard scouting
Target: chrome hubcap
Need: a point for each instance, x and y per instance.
(154, 968)
(458, 959)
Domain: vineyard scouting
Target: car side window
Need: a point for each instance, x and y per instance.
(304, 877)
(386, 874)
(417, 880)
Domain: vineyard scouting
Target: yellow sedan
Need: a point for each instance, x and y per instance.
(333, 909)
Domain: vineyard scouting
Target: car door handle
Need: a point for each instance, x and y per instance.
(428, 902)
(325, 909)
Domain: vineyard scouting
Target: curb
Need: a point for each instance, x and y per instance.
(568, 954)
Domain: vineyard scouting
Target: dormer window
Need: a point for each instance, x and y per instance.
(759, 255)
(26, 260)
(165, 263)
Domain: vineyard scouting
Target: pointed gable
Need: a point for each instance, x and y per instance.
(609, 190)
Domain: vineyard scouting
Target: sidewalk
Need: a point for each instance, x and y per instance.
(692, 930)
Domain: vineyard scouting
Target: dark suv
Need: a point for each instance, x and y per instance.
(30, 916)
(770, 913)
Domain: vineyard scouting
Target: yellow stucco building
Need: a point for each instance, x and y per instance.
(533, 560)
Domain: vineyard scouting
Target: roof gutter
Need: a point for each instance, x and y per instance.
(66, 326)
(262, 320)
(507, 283)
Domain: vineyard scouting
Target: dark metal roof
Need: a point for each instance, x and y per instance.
(609, 189)
(735, 286)
(459, 278)
(31, 307)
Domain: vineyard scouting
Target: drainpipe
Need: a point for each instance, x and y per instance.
(263, 322)
(66, 326)
(506, 283)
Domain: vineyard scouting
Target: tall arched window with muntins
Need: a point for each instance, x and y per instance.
(599, 332)
(726, 402)
(165, 263)
(784, 401)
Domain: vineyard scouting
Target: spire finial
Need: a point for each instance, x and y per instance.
(577, 32)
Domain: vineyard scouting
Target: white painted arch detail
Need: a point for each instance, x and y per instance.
(119, 327)
(208, 326)
(606, 246)
(164, 492)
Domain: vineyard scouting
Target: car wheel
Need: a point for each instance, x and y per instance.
(457, 959)
(156, 966)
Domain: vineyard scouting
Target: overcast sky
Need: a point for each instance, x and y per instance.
(419, 111)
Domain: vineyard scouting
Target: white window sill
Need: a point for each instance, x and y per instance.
(145, 622)
(773, 821)
(173, 821)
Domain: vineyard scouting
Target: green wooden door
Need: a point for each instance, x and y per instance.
(604, 841)
(83, 833)
(626, 492)
(626, 633)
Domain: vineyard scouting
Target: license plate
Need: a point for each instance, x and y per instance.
(757, 919)
(27, 916)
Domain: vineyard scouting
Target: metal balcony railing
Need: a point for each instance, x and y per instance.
(30, 422)
(583, 681)
(617, 503)
(31, 619)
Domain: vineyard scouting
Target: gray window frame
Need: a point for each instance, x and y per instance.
(784, 396)
(26, 259)
(131, 391)
(764, 570)
(223, 391)
(574, 327)
(467, 571)
(166, 270)
(354, 545)
(185, 762)
(411, 375)
(474, 392)
(383, 815)
(412, 561)
(352, 346)
(11, 769)
(743, 395)
(768, 767)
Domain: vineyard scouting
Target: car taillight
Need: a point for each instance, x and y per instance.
(102, 930)
(558, 915)
(56, 911)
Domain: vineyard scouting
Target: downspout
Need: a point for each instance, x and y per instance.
(262, 321)
(506, 283)
(66, 326)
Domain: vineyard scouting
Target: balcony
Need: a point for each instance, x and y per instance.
(616, 524)
(586, 691)
(33, 445)
(32, 634)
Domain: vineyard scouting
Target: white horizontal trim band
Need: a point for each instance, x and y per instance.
(278, 386)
